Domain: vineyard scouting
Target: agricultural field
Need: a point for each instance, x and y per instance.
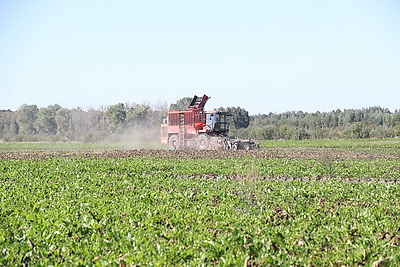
(290, 203)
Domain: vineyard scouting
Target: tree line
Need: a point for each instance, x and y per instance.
(372, 122)
(55, 123)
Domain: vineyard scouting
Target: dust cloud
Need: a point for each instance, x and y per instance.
(138, 137)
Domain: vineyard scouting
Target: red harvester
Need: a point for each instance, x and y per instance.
(196, 128)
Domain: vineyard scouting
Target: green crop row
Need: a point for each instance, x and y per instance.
(370, 146)
(378, 169)
(144, 211)
(332, 143)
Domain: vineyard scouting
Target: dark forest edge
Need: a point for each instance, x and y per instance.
(140, 123)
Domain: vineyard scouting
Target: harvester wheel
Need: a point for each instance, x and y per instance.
(203, 142)
(173, 142)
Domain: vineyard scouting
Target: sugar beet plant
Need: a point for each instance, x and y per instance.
(147, 211)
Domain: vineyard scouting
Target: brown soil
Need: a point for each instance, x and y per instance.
(290, 153)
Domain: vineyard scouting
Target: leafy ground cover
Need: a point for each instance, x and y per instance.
(153, 207)
(342, 143)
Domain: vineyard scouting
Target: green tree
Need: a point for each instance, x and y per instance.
(181, 104)
(46, 120)
(96, 121)
(78, 125)
(115, 116)
(26, 118)
(139, 114)
(240, 117)
(63, 119)
(8, 124)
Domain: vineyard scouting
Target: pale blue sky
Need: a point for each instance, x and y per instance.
(264, 56)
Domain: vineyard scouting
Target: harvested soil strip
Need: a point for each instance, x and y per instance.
(290, 153)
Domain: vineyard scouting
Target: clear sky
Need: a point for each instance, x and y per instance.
(264, 56)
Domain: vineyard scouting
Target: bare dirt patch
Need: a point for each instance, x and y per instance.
(290, 153)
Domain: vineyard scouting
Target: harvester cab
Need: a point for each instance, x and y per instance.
(216, 121)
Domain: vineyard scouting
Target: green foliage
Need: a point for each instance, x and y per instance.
(63, 120)
(115, 116)
(26, 118)
(46, 120)
(239, 117)
(138, 115)
(202, 211)
(372, 122)
(54, 123)
(181, 104)
(8, 124)
(29, 123)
